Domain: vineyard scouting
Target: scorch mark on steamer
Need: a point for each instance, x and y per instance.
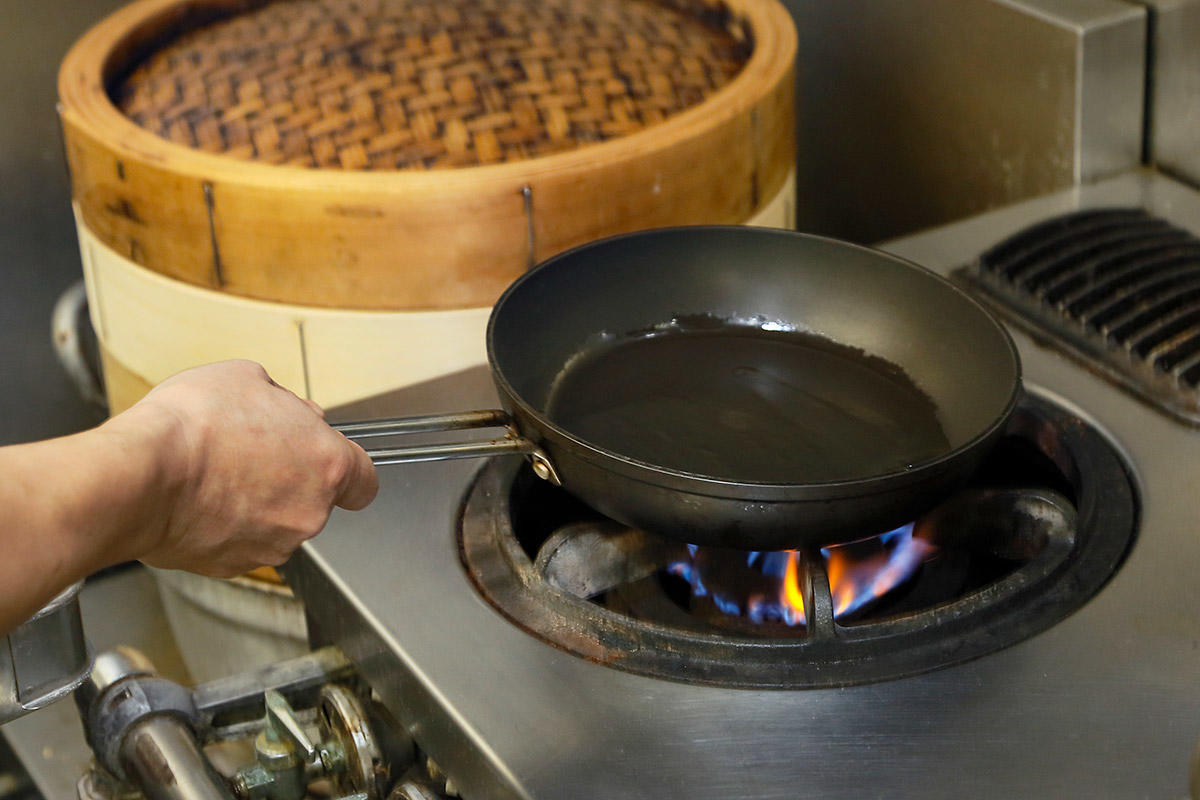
(124, 209)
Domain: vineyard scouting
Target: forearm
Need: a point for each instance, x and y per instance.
(75, 505)
(218, 470)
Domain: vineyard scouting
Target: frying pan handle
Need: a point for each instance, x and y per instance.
(512, 442)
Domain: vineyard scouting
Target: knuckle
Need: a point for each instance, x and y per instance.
(305, 532)
(314, 525)
(277, 558)
(302, 528)
(223, 570)
(249, 369)
(338, 462)
(252, 366)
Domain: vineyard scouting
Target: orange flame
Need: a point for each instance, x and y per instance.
(856, 575)
(792, 596)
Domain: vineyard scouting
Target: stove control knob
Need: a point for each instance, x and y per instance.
(411, 790)
(289, 756)
(359, 766)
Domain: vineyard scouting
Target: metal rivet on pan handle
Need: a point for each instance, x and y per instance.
(543, 468)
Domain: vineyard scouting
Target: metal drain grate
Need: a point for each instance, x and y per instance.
(1119, 286)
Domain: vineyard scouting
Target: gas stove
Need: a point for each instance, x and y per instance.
(1043, 524)
(1042, 641)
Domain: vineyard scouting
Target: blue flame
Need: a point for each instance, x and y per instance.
(867, 569)
(690, 574)
(877, 567)
(727, 606)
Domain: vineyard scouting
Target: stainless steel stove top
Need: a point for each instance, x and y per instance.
(1104, 704)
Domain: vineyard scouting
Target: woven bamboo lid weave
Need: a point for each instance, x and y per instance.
(415, 154)
(391, 84)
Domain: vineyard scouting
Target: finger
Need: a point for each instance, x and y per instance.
(362, 482)
(315, 406)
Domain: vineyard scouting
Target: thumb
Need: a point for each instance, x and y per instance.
(361, 483)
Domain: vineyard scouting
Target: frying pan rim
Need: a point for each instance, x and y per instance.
(600, 455)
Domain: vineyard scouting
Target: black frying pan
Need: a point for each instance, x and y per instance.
(557, 334)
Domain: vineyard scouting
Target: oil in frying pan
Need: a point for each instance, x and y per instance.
(740, 403)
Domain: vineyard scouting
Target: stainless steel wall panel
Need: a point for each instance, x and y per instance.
(1174, 112)
(912, 113)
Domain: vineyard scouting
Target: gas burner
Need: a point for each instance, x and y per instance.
(1040, 528)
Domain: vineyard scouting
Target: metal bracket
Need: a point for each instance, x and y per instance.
(44, 659)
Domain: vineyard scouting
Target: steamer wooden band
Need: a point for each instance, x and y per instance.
(151, 326)
(411, 239)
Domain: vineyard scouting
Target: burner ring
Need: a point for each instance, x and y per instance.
(1067, 571)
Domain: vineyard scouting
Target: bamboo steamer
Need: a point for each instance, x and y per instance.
(150, 326)
(346, 276)
(465, 216)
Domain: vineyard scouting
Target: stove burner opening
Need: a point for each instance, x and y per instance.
(987, 531)
(1038, 530)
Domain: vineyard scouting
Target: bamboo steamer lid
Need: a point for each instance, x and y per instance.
(416, 154)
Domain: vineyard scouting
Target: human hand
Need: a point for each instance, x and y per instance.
(251, 469)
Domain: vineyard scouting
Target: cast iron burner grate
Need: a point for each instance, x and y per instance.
(1119, 287)
(1038, 531)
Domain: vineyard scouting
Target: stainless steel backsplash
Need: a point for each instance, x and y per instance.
(913, 113)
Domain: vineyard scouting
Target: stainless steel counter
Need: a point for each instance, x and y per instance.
(1104, 704)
